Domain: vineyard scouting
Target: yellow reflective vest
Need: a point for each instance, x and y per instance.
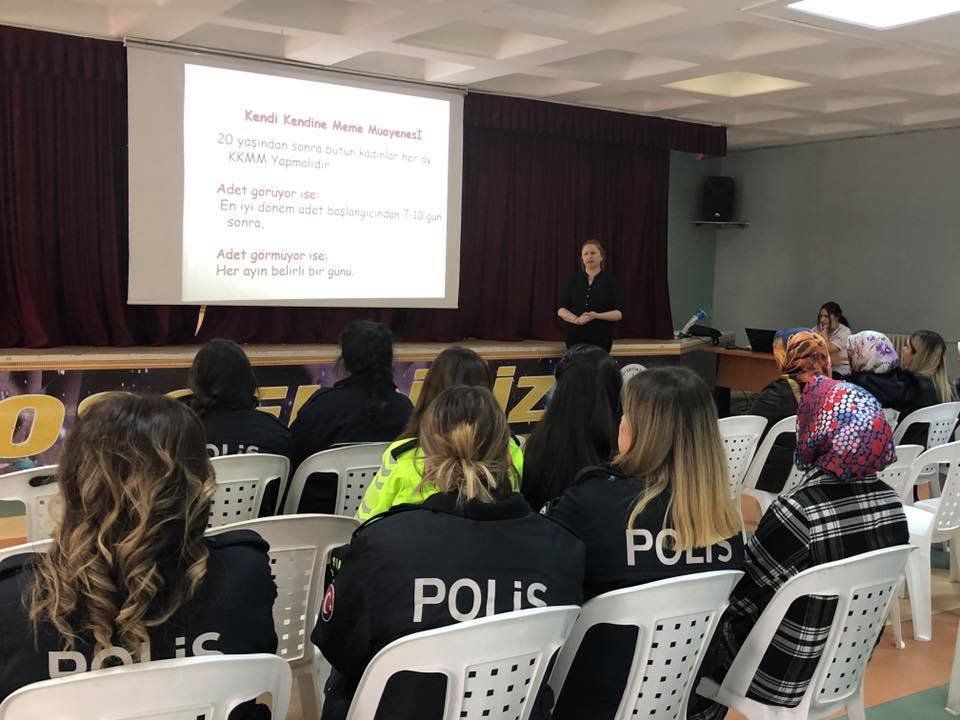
(400, 474)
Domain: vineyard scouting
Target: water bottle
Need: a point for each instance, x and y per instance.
(698, 316)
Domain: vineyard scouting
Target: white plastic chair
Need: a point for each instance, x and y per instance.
(863, 585)
(37, 546)
(763, 497)
(494, 665)
(39, 492)
(241, 482)
(299, 548)
(892, 416)
(740, 436)
(355, 467)
(942, 420)
(953, 691)
(930, 521)
(676, 620)
(206, 687)
(897, 475)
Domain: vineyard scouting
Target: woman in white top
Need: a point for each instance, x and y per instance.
(834, 328)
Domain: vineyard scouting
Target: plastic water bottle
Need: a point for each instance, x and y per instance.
(698, 316)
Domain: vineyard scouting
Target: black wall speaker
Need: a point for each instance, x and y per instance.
(719, 196)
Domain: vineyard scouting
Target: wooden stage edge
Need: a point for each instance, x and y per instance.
(174, 356)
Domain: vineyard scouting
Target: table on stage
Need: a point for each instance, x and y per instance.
(739, 369)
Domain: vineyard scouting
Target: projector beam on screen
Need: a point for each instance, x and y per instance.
(269, 185)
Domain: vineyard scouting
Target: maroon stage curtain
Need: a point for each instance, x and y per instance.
(538, 179)
(63, 198)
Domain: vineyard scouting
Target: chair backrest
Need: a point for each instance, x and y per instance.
(299, 548)
(355, 467)
(676, 619)
(740, 436)
(39, 492)
(782, 427)
(897, 475)
(37, 546)
(494, 665)
(942, 419)
(241, 481)
(207, 687)
(863, 586)
(948, 508)
(892, 416)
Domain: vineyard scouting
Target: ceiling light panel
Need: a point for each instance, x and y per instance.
(736, 84)
(877, 14)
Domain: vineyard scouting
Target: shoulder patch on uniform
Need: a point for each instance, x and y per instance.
(401, 448)
(326, 609)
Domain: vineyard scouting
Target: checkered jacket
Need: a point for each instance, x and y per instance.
(823, 520)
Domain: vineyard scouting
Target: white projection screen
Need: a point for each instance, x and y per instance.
(259, 183)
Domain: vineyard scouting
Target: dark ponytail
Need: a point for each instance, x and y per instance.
(366, 351)
(222, 378)
(833, 308)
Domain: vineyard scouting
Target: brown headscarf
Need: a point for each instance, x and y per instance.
(801, 354)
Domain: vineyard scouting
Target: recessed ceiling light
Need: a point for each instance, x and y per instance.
(878, 14)
(736, 84)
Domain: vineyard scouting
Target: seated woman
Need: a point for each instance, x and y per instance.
(924, 364)
(843, 439)
(130, 576)
(669, 483)
(363, 407)
(834, 328)
(224, 395)
(399, 480)
(473, 533)
(801, 355)
(579, 428)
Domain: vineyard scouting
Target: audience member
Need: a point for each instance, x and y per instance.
(661, 509)
(579, 428)
(801, 356)
(834, 328)
(924, 362)
(399, 480)
(841, 510)
(401, 572)
(363, 407)
(130, 576)
(224, 395)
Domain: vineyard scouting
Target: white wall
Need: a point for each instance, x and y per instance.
(871, 223)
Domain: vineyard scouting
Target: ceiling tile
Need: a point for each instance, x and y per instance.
(480, 40)
(330, 16)
(738, 41)
(606, 65)
(391, 64)
(533, 85)
(233, 38)
(594, 16)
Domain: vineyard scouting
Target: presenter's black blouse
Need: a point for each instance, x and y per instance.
(602, 295)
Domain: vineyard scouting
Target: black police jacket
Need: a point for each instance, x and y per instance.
(421, 567)
(596, 507)
(231, 613)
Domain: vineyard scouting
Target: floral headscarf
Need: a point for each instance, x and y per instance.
(841, 430)
(871, 352)
(801, 354)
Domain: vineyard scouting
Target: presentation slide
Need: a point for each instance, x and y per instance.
(300, 191)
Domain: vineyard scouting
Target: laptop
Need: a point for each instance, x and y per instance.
(761, 341)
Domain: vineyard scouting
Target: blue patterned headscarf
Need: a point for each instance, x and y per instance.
(841, 430)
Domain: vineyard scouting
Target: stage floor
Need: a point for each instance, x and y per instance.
(100, 358)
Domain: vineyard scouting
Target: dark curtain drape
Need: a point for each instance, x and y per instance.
(538, 179)
(63, 198)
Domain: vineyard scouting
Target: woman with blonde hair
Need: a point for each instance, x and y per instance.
(130, 576)
(661, 509)
(924, 365)
(471, 549)
(400, 479)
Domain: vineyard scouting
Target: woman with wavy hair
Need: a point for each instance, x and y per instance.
(130, 576)
(473, 548)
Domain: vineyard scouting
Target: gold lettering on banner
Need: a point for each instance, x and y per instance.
(504, 384)
(273, 392)
(303, 394)
(416, 386)
(48, 415)
(523, 411)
